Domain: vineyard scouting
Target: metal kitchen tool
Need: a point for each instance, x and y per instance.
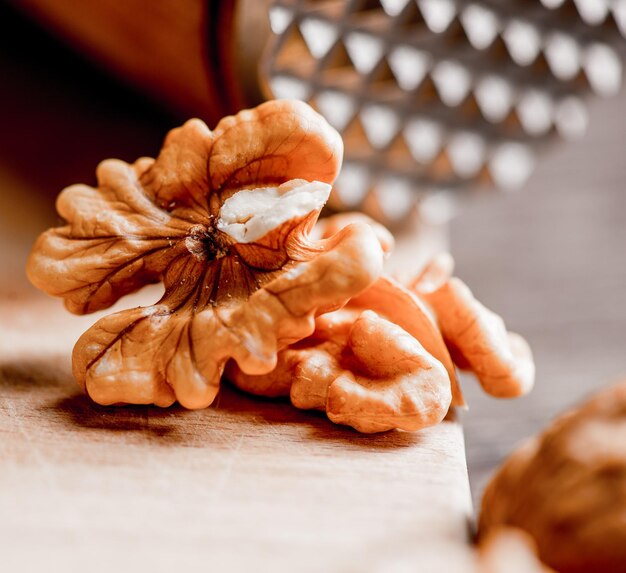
(435, 95)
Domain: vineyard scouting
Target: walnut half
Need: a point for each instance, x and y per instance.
(222, 218)
(377, 364)
(476, 337)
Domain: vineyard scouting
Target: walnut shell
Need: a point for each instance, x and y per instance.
(567, 488)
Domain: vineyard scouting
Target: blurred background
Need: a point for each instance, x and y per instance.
(550, 256)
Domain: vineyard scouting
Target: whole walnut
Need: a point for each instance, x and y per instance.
(567, 488)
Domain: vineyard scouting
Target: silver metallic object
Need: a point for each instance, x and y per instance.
(432, 96)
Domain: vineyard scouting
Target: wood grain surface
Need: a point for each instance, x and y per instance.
(249, 484)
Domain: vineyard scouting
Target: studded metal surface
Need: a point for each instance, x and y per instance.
(435, 95)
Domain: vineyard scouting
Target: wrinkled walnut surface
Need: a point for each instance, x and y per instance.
(476, 337)
(339, 368)
(375, 378)
(567, 488)
(377, 364)
(239, 283)
(392, 300)
(329, 226)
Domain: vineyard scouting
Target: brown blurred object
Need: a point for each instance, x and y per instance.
(167, 48)
(567, 488)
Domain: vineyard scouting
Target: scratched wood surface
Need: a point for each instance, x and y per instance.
(249, 484)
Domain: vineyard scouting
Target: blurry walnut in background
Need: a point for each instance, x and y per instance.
(223, 219)
(567, 488)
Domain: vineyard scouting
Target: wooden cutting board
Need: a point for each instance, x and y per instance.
(244, 485)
